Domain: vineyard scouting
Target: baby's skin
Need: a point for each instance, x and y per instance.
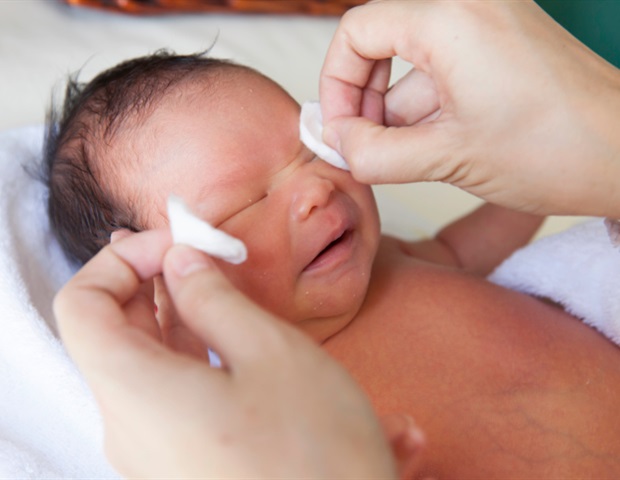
(503, 385)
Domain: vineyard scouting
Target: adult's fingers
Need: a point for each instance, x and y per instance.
(371, 32)
(139, 309)
(378, 154)
(372, 104)
(175, 334)
(123, 266)
(105, 294)
(412, 99)
(225, 319)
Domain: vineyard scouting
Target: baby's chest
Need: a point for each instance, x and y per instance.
(481, 369)
(422, 328)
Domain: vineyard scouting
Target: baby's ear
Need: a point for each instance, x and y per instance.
(119, 234)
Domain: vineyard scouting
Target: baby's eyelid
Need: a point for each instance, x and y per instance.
(259, 199)
(312, 157)
(251, 203)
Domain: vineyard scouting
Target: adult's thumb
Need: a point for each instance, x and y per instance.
(379, 154)
(219, 314)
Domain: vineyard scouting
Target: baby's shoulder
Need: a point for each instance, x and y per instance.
(397, 267)
(420, 250)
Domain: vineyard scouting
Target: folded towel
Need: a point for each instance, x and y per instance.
(578, 268)
(49, 425)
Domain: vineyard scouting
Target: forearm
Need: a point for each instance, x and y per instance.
(484, 238)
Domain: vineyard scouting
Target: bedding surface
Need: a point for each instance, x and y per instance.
(49, 425)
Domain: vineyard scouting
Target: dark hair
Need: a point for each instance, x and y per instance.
(82, 209)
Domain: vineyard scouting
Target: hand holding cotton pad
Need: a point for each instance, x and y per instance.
(311, 134)
(190, 230)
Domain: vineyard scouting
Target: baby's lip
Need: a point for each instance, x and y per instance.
(334, 237)
(332, 253)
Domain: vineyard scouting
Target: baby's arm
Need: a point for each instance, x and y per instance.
(479, 241)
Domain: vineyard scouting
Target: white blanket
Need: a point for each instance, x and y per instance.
(578, 268)
(49, 425)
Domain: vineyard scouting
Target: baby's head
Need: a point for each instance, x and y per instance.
(226, 139)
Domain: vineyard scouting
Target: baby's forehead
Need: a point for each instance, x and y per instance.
(236, 95)
(220, 138)
(230, 79)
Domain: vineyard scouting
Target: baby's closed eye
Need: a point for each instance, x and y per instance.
(243, 208)
(256, 197)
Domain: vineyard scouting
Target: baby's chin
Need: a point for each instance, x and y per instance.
(327, 309)
(324, 322)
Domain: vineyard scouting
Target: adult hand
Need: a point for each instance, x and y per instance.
(280, 407)
(502, 102)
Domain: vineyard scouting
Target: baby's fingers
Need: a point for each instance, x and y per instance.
(406, 441)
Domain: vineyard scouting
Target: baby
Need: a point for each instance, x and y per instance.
(504, 385)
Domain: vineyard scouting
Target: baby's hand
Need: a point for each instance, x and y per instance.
(406, 441)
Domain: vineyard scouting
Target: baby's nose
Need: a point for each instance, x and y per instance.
(310, 193)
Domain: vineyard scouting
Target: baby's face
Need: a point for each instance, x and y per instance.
(234, 156)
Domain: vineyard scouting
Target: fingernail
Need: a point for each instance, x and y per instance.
(185, 260)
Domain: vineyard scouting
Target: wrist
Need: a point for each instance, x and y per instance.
(600, 112)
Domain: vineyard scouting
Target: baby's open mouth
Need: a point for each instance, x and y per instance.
(330, 251)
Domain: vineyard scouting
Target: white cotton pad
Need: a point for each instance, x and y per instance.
(311, 133)
(190, 230)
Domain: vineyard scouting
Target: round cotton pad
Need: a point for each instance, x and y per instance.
(190, 230)
(311, 134)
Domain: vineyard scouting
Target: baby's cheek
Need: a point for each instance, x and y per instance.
(262, 282)
(266, 276)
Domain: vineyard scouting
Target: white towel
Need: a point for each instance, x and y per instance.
(49, 423)
(578, 268)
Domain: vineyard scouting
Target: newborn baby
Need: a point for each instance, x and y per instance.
(504, 385)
